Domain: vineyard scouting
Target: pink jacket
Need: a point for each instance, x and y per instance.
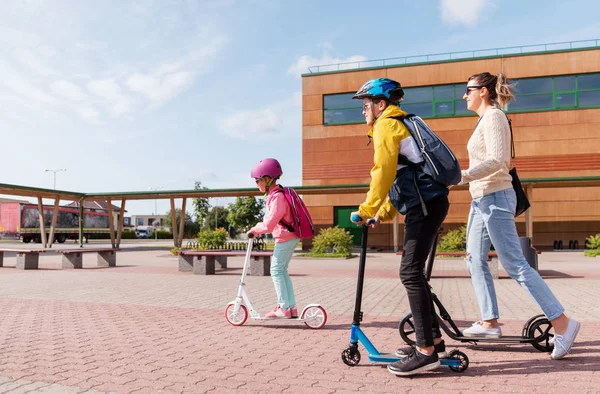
(277, 209)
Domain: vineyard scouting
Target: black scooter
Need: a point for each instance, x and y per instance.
(536, 330)
(456, 360)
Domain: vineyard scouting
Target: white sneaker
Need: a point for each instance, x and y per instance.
(478, 331)
(564, 342)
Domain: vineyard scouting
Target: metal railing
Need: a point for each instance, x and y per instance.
(258, 244)
(463, 55)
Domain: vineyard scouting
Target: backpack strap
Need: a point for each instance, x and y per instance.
(288, 226)
(403, 160)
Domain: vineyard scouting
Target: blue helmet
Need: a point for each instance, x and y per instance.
(381, 88)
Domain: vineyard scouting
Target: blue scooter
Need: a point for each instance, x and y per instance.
(456, 360)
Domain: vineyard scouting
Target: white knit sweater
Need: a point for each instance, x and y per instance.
(489, 155)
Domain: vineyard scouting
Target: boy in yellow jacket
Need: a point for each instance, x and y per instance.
(398, 184)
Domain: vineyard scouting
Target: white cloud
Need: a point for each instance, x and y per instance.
(67, 90)
(159, 89)
(30, 60)
(112, 93)
(252, 125)
(304, 62)
(464, 12)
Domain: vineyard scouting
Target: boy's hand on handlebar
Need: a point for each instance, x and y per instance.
(374, 221)
(356, 219)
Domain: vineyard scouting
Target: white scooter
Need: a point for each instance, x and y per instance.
(236, 313)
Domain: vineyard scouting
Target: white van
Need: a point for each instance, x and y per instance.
(143, 232)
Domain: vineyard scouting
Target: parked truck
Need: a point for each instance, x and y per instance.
(21, 220)
(144, 232)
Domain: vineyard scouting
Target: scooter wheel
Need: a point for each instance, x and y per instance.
(460, 356)
(407, 330)
(539, 331)
(236, 319)
(351, 357)
(315, 317)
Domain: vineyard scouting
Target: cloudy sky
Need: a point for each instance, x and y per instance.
(128, 95)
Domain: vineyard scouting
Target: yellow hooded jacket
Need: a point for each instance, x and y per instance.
(387, 134)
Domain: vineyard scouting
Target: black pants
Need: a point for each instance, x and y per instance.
(419, 233)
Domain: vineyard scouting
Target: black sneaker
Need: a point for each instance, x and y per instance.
(440, 349)
(416, 362)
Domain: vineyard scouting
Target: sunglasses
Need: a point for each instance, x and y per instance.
(472, 87)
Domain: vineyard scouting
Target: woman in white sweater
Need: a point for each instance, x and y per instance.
(491, 219)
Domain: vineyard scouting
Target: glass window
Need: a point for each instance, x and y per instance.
(459, 90)
(564, 84)
(340, 101)
(536, 101)
(588, 81)
(460, 107)
(589, 99)
(150, 221)
(533, 85)
(333, 116)
(565, 100)
(444, 108)
(421, 109)
(139, 221)
(416, 95)
(445, 92)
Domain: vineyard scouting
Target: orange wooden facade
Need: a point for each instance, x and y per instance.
(560, 143)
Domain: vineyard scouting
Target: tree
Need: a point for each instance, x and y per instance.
(201, 206)
(190, 228)
(245, 212)
(217, 218)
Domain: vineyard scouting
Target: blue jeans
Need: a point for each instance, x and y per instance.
(282, 254)
(492, 221)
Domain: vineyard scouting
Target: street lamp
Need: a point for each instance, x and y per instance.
(156, 210)
(55, 171)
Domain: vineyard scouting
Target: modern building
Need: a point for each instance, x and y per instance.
(555, 118)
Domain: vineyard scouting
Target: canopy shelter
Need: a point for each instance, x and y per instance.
(109, 198)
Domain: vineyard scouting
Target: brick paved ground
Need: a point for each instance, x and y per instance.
(145, 327)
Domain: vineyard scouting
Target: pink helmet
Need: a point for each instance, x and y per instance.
(267, 167)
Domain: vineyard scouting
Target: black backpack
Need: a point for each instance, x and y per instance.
(439, 161)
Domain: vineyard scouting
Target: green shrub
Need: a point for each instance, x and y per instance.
(333, 239)
(591, 252)
(593, 246)
(212, 239)
(593, 241)
(126, 234)
(453, 241)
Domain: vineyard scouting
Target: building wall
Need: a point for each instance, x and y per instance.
(558, 143)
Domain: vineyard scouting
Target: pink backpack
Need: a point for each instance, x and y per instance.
(302, 224)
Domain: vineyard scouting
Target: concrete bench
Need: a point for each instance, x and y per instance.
(73, 258)
(203, 262)
(27, 259)
(492, 260)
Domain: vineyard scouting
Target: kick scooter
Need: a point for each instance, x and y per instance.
(536, 330)
(456, 360)
(236, 313)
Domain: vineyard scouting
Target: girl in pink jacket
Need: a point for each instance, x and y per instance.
(266, 173)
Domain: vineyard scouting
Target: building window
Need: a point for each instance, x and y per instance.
(150, 221)
(139, 221)
(532, 94)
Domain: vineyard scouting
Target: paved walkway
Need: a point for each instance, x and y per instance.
(145, 327)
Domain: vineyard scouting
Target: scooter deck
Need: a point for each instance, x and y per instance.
(391, 357)
(281, 319)
(502, 339)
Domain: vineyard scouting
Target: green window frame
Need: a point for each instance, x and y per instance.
(445, 101)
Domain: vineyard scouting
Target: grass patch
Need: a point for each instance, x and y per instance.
(326, 255)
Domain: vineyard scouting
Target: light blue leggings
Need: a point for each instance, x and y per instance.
(282, 254)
